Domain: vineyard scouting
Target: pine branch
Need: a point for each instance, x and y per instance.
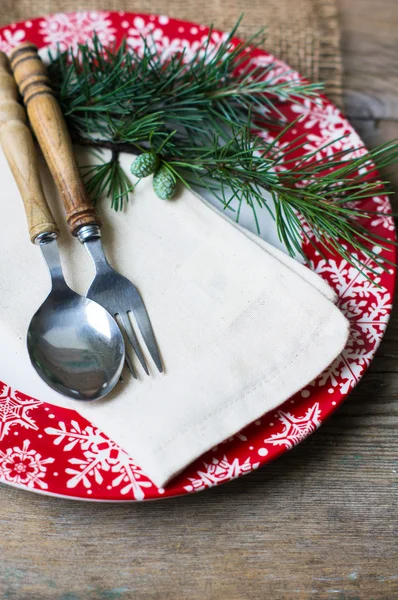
(105, 90)
(199, 119)
(110, 177)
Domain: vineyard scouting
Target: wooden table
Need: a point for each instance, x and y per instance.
(319, 523)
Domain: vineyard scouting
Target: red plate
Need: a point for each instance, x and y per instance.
(55, 451)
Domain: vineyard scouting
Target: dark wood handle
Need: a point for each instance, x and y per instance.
(49, 125)
(17, 142)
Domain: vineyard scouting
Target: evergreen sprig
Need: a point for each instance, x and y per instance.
(199, 118)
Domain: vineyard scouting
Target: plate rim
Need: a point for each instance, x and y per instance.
(35, 23)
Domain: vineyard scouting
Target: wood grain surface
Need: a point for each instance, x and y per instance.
(48, 124)
(320, 523)
(18, 146)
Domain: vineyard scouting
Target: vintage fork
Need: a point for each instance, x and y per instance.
(109, 288)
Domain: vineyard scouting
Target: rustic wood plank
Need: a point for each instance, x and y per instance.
(369, 44)
(320, 519)
(375, 132)
(321, 522)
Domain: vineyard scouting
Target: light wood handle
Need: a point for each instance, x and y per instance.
(49, 125)
(18, 146)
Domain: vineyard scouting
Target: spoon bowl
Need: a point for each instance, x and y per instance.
(75, 346)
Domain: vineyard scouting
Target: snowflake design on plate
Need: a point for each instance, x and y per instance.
(295, 429)
(219, 471)
(9, 39)
(335, 134)
(24, 467)
(383, 217)
(216, 39)
(327, 144)
(317, 112)
(98, 456)
(68, 30)
(330, 134)
(145, 32)
(367, 305)
(14, 411)
(276, 71)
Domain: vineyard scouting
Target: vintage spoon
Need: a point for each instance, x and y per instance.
(112, 290)
(74, 344)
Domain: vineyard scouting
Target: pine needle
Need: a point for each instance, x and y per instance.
(200, 115)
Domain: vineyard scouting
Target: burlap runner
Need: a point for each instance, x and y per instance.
(304, 33)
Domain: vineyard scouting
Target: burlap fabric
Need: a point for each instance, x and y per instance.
(304, 33)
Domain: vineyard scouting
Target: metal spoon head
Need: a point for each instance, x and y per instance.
(75, 346)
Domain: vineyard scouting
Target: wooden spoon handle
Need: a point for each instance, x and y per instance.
(17, 142)
(49, 125)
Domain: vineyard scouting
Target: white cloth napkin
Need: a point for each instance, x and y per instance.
(241, 326)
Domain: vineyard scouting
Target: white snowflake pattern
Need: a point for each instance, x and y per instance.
(196, 47)
(147, 33)
(276, 71)
(335, 133)
(367, 306)
(100, 456)
(129, 477)
(383, 217)
(219, 471)
(14, 411)
(68, 30)
(295, 429)
(315, 111)
(143, 33)
(334, 136)
(9, 39)
(327, 144)
(24, 467)
(216, 39)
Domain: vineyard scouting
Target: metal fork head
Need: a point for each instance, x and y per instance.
(120, 298)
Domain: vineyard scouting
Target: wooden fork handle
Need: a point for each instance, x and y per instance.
(17, 142)
(49, 125)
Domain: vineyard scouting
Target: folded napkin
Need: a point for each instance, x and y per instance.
(241, 326)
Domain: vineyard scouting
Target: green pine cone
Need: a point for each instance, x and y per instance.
(145, 164)
(164, 184)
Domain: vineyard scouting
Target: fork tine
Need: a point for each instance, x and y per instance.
(127, 358)
(125, 319)
(144, 324)
(130, 365)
